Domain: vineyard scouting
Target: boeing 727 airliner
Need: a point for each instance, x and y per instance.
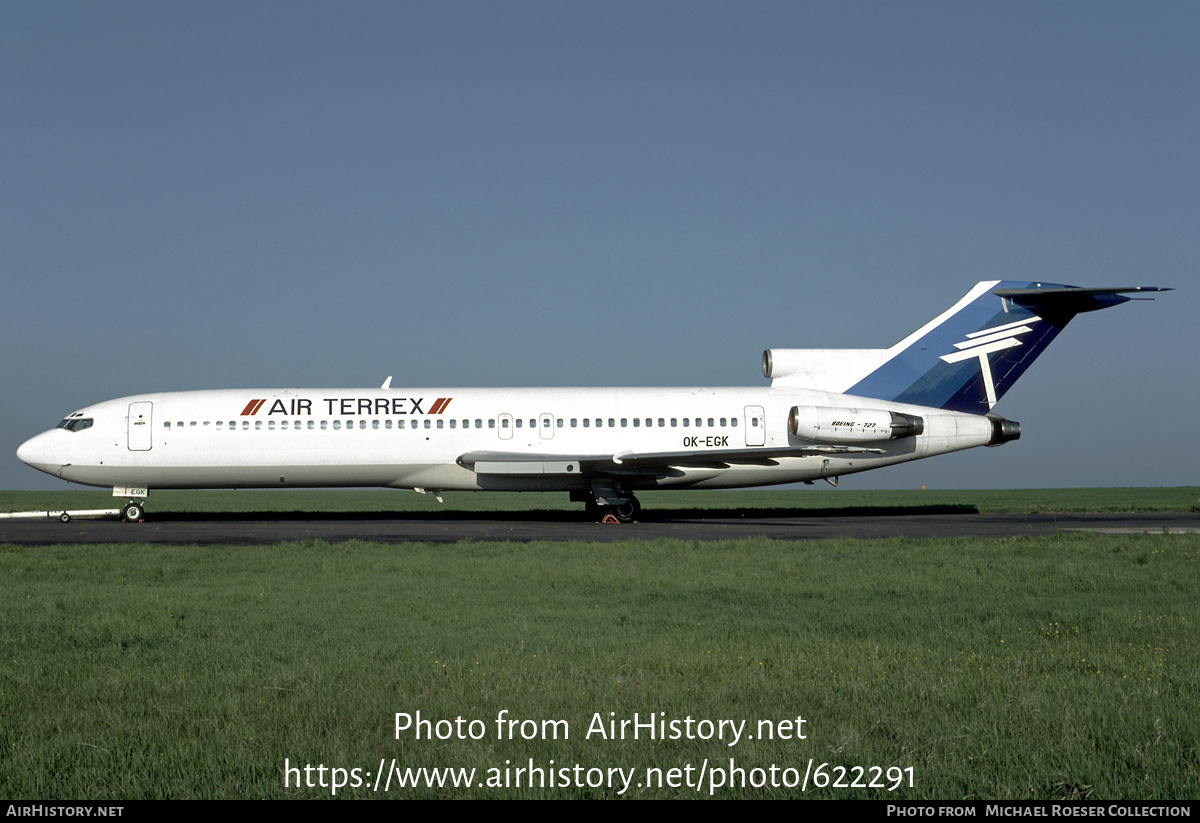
(826, 413)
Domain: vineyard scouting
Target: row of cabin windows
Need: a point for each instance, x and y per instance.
(453, 423)
(297, 425)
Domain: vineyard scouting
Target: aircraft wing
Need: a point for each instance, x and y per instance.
(513, 463)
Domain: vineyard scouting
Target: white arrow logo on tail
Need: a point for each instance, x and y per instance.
(982, 343)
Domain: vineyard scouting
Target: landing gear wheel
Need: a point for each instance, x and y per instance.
(133, 512)
(64, 518)
(628, 511)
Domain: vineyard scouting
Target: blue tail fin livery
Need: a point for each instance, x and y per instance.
(968, 357)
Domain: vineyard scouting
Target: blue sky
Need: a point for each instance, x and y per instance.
(204, 195)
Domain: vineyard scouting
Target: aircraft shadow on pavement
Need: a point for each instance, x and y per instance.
(548, 516)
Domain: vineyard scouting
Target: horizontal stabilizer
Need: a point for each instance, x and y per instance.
(1071, 299)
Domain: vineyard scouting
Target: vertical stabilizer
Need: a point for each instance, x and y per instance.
(969, 356)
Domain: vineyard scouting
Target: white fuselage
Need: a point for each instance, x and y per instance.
(414, 438)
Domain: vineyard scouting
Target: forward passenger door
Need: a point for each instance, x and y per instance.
(140, 424)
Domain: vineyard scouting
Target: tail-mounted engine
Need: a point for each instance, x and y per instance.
(827, 424)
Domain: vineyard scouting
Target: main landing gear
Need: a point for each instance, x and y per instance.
(609, 504)
(624, 512)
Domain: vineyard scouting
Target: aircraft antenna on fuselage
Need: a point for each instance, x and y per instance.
(387, 384)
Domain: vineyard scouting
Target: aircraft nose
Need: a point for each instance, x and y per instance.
(33, 453)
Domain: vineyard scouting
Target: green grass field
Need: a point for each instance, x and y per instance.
(1058, 667)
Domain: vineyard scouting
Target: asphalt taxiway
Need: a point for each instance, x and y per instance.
(387, 527)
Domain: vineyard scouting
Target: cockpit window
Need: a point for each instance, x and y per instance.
(76, 424)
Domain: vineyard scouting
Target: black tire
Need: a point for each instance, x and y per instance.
(64, 518)
(133, 512)
(628, 511)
